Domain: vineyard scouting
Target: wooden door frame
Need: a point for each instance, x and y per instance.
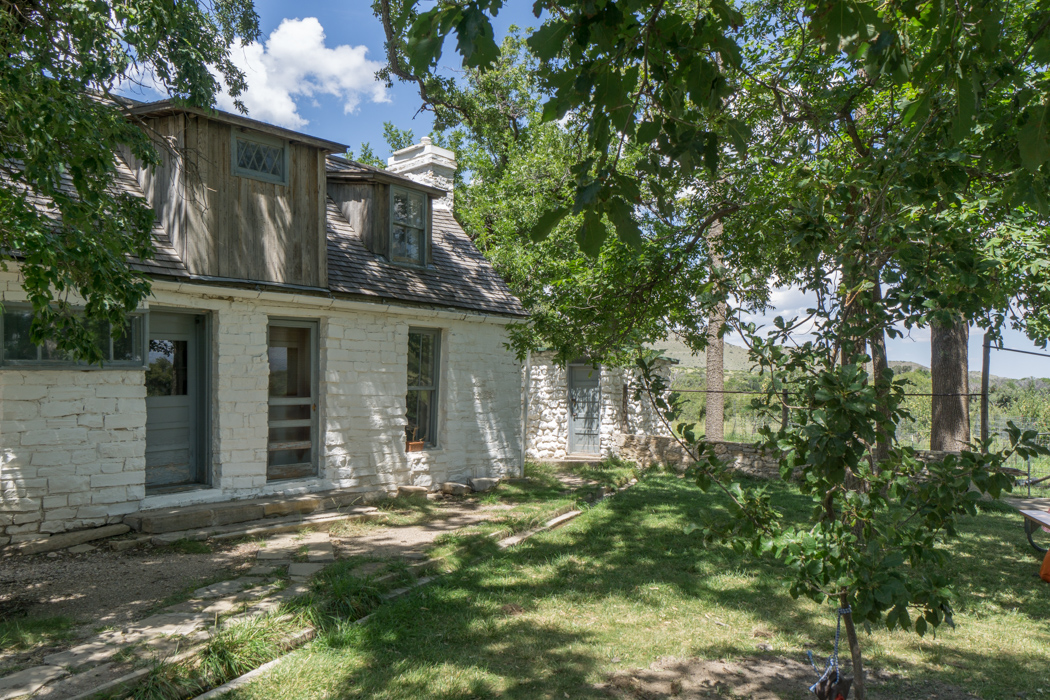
(203, 385)
(314, 326)
(571, 433)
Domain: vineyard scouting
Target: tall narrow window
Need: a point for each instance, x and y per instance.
(408, 227)
(421, 430)
(292, 446)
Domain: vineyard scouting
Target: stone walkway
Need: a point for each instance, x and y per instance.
(283, 567)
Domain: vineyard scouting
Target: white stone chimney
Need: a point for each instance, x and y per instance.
(426, 163)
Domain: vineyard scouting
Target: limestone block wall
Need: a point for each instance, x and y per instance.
(660, 449)
(547, 429)
(72, 450)
(479, 397)
(72, 442)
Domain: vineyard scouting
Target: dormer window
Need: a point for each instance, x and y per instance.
(260, 157)
(408, 227)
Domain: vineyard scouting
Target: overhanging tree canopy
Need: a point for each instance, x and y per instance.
(62, 218)
(891, 158)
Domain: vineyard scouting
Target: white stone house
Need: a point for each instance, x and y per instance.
(314, 324)
(582, 411)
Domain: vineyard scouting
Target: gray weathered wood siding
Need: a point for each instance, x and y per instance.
(223, 225)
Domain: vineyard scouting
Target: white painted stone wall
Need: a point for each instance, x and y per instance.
(73, 442)
(547, 430)
(72, 446)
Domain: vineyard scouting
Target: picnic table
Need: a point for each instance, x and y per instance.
(1034, 519)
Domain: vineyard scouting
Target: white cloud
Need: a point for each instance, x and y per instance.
(296, 63)
(789, 303)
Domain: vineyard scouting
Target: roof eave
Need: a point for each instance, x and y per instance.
(386, 179)
(155, 109)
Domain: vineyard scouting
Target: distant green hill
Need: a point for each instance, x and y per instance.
(735, 357)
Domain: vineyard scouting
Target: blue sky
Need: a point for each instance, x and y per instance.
(313, 71)
(915, 346)
(349, 25)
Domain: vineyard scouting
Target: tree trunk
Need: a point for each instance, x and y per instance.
(715, 349)
(854, 651)
(950, 425)
(879, 364)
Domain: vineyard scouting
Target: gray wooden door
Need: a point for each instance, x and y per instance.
(174, 401)
(585, 400)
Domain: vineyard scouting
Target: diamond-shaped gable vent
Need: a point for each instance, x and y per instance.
(260, 158)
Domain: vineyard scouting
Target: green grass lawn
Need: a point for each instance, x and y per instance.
(622, 586)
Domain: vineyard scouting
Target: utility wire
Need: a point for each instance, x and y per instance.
(1023, 352)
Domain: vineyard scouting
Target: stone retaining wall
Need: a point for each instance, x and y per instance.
(658, 449)
(743, 456)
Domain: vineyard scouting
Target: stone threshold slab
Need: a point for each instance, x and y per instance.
(271, 526)
(192, 517)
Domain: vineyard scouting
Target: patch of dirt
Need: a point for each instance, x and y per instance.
(106, 588)
(389, 542)
(103, 588)
(756, 679)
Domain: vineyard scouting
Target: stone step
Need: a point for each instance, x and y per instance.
(163, 520)
(271, 526)
(577, 460)
(69, 539)
(29, 680)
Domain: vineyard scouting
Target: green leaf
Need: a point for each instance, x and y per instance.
(425, 38)
(591, 234)
(739, 135)
(586, 195)
(966, 97)
(621, 215)
(476, 41)
(547, 41)
(1032, 140)
(647, 131)
(546, 223)
(916, 111)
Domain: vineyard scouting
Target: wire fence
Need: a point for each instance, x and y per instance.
(1028, 408)
(743, 422)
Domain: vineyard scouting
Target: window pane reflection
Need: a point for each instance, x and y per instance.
(289, 356)
(166, 374)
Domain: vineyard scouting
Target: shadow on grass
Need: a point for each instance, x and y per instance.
(507, 625)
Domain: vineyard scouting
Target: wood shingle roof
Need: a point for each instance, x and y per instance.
(459, 277)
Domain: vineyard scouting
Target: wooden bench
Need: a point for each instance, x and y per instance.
(1035, 519)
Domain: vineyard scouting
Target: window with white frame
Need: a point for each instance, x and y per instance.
(260, 157)
(408, 226)
(421, 402)
(120, 347)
